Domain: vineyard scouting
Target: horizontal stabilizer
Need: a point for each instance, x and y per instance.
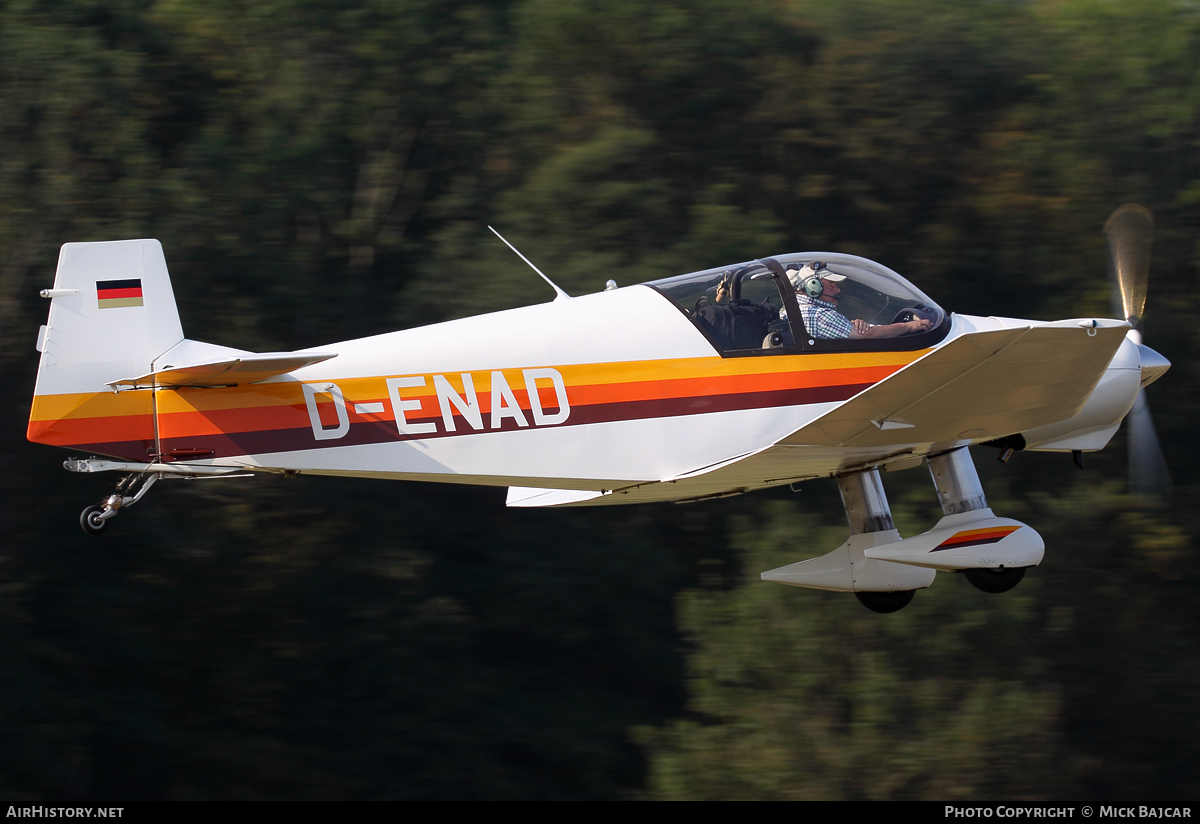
(979, 386)
(531, 496)
(229, 371)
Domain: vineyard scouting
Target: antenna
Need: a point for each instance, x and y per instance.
(559, 293)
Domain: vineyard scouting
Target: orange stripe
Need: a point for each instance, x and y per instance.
(980, 534)
(67, 433)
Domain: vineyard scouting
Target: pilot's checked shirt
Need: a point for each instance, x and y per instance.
(822, 319)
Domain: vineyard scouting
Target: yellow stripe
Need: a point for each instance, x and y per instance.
(636, 371)
(83, 405)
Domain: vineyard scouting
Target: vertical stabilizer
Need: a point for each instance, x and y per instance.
(113, 313)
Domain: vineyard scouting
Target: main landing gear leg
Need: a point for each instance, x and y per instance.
(957, 482)
(959, 490)
(94, 519)
(867, 510)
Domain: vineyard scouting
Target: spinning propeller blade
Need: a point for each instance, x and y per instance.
(1148, 474)
(1130, 231)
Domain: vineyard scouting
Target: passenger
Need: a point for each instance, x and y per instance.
(817, 293)
(724, 289)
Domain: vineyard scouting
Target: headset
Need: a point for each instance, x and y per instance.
(811, 284)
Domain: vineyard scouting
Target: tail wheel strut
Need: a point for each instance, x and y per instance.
(94, 519)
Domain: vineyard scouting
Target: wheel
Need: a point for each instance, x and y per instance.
(995, 580)
(91, 521)
(885, 601)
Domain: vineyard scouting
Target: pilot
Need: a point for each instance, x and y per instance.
(817, 293)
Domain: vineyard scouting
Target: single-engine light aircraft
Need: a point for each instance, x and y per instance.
(714, 383)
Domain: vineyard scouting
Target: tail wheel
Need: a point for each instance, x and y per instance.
(885, 601)
(91, 521)
(995, 580)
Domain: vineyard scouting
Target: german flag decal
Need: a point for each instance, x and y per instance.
(976, 537)
(114, 293)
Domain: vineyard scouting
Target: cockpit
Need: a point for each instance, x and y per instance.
(806, 302)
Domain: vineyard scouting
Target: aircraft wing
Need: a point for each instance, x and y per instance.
(229, 371)
(981, 385)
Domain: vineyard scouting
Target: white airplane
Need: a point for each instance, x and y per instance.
(708, 384)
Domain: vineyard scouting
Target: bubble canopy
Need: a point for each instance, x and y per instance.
(752, 307)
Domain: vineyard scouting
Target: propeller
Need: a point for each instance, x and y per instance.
(1130, 231)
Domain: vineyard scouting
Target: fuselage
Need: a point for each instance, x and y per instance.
(556, 395)
(625, 394)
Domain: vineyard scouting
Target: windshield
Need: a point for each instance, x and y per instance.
(871, 292)
(744, 308)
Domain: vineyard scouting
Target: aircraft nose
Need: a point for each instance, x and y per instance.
(1154, 365)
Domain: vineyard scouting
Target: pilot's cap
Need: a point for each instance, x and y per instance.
(798, 276)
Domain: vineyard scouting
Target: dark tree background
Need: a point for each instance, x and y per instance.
(318, 171)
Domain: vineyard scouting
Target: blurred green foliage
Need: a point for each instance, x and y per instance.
(319, 171)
